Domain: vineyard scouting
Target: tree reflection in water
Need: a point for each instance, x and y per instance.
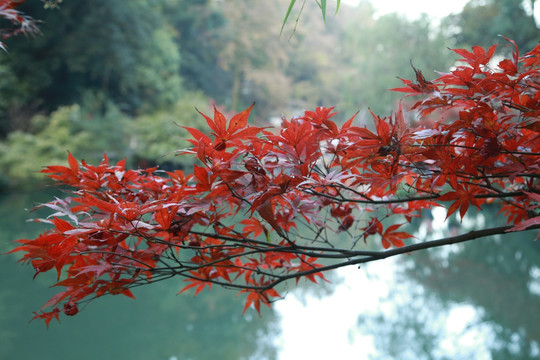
(476, 300)
(156, 326)
(473, 300)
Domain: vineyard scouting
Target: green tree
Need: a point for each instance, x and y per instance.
(155, 134)
(24, 153)
(381, 49)
(120, 48)
(95, 127)
(316, 62)
(254, 55)
(482, 21)
(198, 26)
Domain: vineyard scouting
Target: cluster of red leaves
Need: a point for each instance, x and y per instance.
(266, 205)
(22, 24)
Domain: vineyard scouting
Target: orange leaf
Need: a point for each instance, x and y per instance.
(73, 164)
(392, 237)
(239, 121)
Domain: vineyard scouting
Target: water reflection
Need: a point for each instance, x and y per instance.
(375, 313)
(325, 327)
(495, 275)
(476, 300)
(158, 325)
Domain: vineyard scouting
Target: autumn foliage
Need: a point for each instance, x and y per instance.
(265, 205)
(20, 23)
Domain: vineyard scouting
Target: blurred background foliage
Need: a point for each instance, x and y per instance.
(122, 77)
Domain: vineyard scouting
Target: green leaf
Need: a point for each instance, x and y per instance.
(291, 5)
(322, 5)
(337, 5)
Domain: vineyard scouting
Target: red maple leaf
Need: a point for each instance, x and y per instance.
(463, 196)
(391, 237)
(223, 133)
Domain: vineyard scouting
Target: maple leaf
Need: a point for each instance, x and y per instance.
(463, 196)
(92, 201)
(164, 216)
(266, 211)
(309, 266)
(223, 133)
(477, 57)
(196, 283)
(256, 297)
(98, 270)
(532, 222)
(532, 58)
(204, 177)
(421, 86)
(374, 227)
(78, 281)
(253, 226)
(346, 223)
(533, 126)
(73, 163)
(321, 118)
(62, 207)
(535, 221)
(68, 175)
(392, 237)
(48, 316)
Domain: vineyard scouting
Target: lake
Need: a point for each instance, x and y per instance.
(476, 300)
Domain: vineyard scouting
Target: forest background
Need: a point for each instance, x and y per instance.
(121, 76)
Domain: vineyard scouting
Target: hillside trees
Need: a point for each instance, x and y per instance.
(254, 56)
(105, 64)
(199, 28)
(380, 49)
(118, 48)
(264, 206)
(481, 23)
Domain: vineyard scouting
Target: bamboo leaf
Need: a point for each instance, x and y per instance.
(291, 5)
(322, 5)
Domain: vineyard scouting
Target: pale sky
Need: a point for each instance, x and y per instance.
(436, 9)
(413, 8)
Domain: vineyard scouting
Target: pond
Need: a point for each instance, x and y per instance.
(479, 300)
